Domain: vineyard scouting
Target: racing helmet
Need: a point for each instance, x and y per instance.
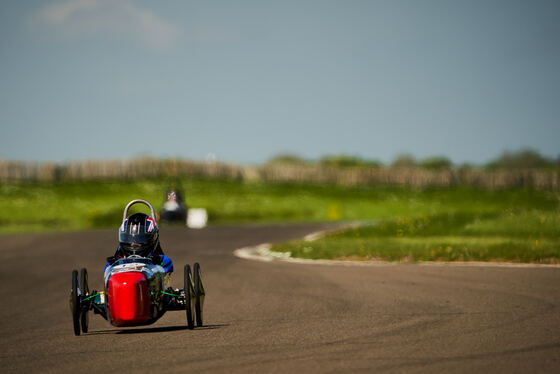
(138, 235)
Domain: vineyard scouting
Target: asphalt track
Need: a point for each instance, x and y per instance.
(280, 317)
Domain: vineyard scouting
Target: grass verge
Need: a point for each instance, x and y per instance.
(521, 236)
(411, 225)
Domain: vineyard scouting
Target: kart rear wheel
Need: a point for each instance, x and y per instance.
(189, 297)
(84, 318)
(198, 294)
(75, 302)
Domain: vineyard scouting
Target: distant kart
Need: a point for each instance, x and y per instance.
(134, 294)
(174, 209)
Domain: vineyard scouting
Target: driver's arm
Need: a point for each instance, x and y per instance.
(166, 263)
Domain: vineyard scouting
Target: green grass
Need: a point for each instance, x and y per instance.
(411, 225)
(513, 236)
(76, 206)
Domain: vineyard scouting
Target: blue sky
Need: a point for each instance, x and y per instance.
(245, 80)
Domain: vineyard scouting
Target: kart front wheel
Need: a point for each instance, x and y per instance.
(75, 302)
(84, 318)
(198, 294)
(189, 297)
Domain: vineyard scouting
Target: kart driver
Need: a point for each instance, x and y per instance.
(139, 235)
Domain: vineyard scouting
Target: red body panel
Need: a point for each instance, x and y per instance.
(129, 299)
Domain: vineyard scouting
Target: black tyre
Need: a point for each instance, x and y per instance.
(75, 302)
(198, 294)
(189, 297)
(84, 288)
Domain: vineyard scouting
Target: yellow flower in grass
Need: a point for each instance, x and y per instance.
(333, 212)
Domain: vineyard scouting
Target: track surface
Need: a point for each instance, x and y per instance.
(279, 317)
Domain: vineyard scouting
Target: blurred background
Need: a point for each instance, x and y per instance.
(266, 111)
(244, 81)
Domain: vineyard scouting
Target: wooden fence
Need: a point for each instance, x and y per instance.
(17, 171)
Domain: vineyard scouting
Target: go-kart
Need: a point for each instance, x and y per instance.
(174, 209)
(134, 293)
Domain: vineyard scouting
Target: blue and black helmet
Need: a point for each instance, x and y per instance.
(138, 235)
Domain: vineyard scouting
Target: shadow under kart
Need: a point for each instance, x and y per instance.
(134, 295)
